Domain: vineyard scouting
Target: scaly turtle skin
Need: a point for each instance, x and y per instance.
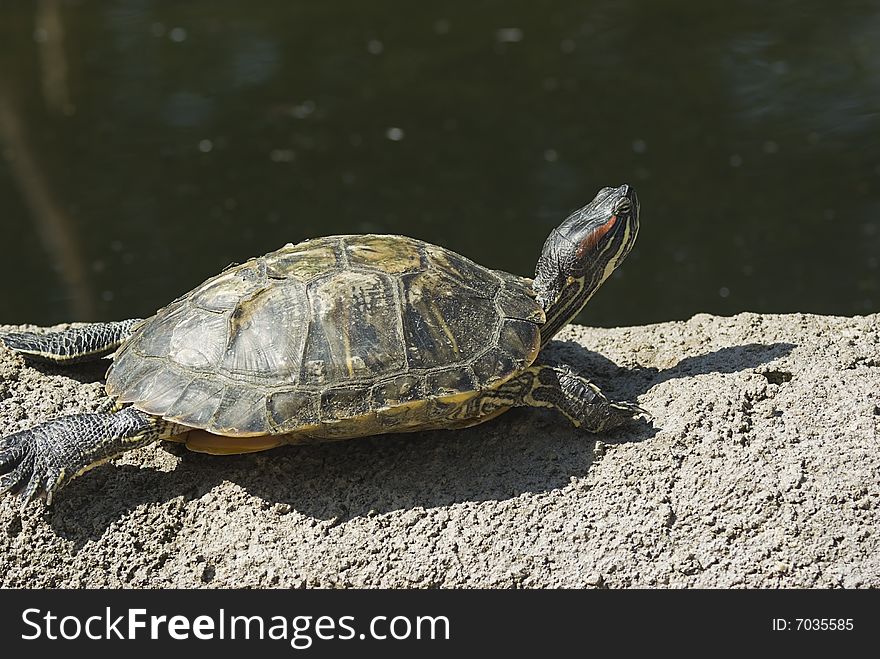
(333, 338)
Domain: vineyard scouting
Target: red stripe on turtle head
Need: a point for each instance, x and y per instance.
(593, 239)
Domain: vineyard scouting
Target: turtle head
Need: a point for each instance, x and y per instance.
(582, 252)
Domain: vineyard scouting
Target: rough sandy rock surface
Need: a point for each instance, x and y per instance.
(761, 468)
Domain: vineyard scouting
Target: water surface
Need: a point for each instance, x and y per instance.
(146, 145)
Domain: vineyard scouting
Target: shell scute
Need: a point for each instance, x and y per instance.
(391, 256)
(289, 409)
(444, 324)
(304, 261)
(242, 411)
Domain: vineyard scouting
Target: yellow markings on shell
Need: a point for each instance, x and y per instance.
(400, 409)
(346, 304)
(416, 297)
(303, 261)
(371, 424)
(456, 398)
(355, 363)
(202, 441)
(441, 322)
(389, 254)
(346, 340)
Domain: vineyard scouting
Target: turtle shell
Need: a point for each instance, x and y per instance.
(344, 328)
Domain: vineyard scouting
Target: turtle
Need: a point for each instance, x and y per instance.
(332, 338)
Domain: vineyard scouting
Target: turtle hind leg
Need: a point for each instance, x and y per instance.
(557, 387)
(44, 458)
(71, 346)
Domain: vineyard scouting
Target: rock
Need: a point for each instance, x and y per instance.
(760, 468)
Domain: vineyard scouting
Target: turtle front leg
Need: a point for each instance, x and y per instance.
(44, 458)
(71, 346)
(557, 387)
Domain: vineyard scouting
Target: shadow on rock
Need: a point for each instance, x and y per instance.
(84, 373)
(630, 383)
(525, 451)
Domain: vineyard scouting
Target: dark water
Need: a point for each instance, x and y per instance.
(146, 145)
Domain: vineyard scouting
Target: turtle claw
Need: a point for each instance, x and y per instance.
(43, 459)
(18, 473)
(619, 413)
(26, 464)
(633, 409)
(31, 492)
